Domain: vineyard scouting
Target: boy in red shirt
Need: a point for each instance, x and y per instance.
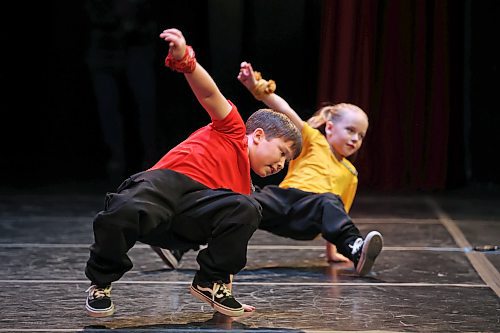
(198, 193)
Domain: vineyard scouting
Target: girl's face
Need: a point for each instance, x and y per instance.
(346, 135)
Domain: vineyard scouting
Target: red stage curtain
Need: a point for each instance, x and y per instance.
(391, 59)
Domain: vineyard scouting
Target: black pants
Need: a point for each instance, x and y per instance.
(301, 215)
(168, 209)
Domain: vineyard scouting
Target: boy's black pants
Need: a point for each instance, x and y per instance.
(168, 209)
(301, 215)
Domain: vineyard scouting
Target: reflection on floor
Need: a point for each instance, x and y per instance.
(427, 279)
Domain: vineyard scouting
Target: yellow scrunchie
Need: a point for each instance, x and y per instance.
(263, 87)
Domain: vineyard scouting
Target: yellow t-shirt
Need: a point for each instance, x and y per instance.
(317, 170)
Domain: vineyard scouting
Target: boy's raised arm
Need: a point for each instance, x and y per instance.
(181, 58)
(272, 100)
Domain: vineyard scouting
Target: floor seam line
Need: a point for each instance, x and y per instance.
(326, 284)
(479, 262)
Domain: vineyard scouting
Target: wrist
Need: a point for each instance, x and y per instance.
(186, 64)
(262, 87)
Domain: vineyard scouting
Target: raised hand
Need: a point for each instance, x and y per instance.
(176, 42)
(246, 75)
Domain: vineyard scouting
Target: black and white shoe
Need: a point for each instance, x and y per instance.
(218, 295)
(99, 302)
(364, 252)
(171, 258)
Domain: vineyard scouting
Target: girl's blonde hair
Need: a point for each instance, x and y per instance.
(331, 113)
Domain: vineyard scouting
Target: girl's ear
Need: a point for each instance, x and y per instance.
(329, 126)
(258, 135)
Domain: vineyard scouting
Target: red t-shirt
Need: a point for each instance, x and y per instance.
(216, 155)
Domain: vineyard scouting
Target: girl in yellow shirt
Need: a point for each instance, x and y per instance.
(320, 185)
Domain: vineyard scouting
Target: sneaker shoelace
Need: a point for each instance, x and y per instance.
(358, 243)
(220, 290)
(96, 292)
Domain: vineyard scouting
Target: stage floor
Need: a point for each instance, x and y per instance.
(428, 277)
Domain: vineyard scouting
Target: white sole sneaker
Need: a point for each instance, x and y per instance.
(100, 313)
(217, 306)
(167, 257)
(372, 247)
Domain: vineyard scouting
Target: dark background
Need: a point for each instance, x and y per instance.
(50, 124)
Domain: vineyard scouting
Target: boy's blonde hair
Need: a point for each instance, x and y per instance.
(331, 113)
(276, 125)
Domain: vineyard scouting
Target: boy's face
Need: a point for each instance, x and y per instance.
(268, 157)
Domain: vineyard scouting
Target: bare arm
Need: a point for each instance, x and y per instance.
(201, 83)
(273, 101)
(332, 255)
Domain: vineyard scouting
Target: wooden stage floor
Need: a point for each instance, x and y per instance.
(428, 278)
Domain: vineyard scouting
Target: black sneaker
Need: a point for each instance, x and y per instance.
(171, 258)
(99, 302)
(364, 252)
(218, 295)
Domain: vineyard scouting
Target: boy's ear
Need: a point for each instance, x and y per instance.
(258, 135)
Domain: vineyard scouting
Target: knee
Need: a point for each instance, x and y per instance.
(250, 209)
(114, 217)
(330, 199)
(122, 212)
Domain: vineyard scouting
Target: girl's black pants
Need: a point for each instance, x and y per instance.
(301, 215)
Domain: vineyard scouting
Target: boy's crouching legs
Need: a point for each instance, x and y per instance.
(226, 254)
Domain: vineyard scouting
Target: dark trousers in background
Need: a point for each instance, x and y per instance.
(302, 215)
(170, 210)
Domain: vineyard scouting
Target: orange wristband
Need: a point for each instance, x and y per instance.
(185, 65)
